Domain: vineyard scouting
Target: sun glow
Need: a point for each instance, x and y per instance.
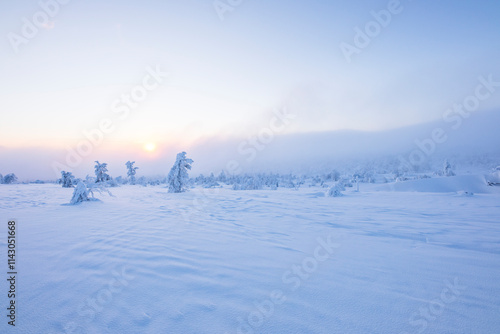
(150, 147)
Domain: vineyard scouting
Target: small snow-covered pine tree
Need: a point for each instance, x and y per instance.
(131, 171)
(335, 190)
(447, 169)
(10, 178)
(67, 179)
(100, 172)
(222, 177)
(178, 177)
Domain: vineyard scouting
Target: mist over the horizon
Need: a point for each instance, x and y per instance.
(314, 152)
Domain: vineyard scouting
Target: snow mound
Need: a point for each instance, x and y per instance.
(494, 178)
(456, 184)
(465, 193)
(316, 194)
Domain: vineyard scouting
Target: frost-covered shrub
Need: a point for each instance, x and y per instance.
(315, 180)
(340, 186)
(10, 178)
(89, 179)
(210, 182)
(333, 176)
(80, 194)
(85, 192)
(120, 180)
(288, 183)
(253, 183)
(249, 183)
(178, 177)
(154, 182)
(112, 183)
(142, 181)
(67, 180)
(364, 176)
(335, 190)
(345, 182)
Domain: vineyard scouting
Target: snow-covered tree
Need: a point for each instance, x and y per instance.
(447, 171)
(111, 183)
(67, 179)
(120, 180)
(100, 172)
(210, 182)
(334, 176)
(222, 177)
(346, 182)
(131, 171)
(335, 190)
(85, 191)
(89, 179)
(10, 178)
(178, 177)
(142, 181)
(1, 178)
(80, 194)
(249, 183)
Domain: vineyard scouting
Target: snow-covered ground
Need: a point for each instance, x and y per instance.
(412, 257)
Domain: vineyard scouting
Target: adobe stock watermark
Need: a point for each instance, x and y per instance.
(371, 30)
(454, 115)
(223, 6)
(121, 109)
(293, 279)
(97, 302)
(42, 19)
(250, 147)
(435, 307)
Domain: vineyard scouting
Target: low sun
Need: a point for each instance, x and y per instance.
(150, 147)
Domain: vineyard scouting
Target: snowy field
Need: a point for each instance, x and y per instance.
(410, 257)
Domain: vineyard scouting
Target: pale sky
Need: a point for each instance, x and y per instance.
(225, 76)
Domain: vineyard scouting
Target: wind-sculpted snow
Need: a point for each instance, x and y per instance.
(373, 261)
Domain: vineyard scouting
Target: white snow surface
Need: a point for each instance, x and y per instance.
(469, 183)
(405, 260)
